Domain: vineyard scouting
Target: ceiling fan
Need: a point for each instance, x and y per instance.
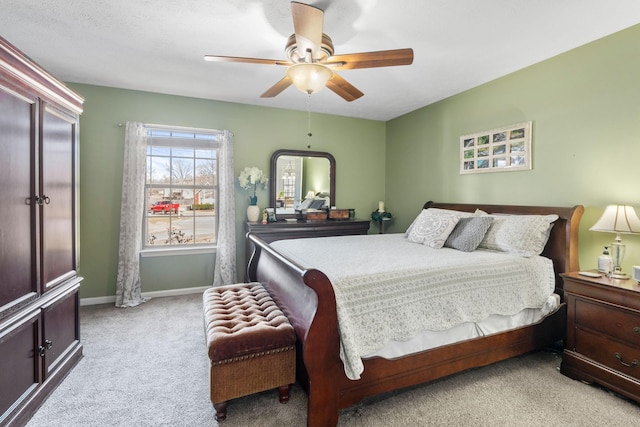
(312, 64)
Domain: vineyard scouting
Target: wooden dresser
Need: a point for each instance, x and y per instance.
(39, 328)
(603, 333)
(272, 231)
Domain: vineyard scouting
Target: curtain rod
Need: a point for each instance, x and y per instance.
(183, 128)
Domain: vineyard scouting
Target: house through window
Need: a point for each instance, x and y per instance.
(181, 188)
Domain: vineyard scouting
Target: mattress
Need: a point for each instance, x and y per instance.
(389, 290)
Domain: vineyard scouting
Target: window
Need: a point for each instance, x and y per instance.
(181, 188)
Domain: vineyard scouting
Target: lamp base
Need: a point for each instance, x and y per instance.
(617, 253)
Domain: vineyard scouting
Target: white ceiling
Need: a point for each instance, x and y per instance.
(158, 45)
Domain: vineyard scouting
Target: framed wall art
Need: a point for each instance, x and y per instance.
(497, 150)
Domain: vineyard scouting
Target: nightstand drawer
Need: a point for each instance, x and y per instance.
(623, 325)
(616, 355)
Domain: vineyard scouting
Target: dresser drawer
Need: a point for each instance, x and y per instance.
(620, 324)
(614, 354)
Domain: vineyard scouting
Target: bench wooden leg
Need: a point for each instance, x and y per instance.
(221, 410)
(283, 392)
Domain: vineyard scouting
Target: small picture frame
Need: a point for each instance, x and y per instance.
(271, 215)
(497, 150)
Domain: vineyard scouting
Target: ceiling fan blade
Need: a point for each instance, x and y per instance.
(277, 88)
(383, 58)
(217, 58)
(307, 23)
(343, 88)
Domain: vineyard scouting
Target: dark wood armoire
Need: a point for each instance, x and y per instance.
(39, 328)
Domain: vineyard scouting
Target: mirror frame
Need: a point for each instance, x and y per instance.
(302, 153)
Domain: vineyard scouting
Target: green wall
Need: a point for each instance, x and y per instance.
(316, 175)
(584, 105)
(258, 132)
(585, 109)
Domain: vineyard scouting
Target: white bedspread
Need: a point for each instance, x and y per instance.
(390, 289)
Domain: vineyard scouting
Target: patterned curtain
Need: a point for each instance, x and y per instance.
(128, 291)
(225, 268)
(128, 287)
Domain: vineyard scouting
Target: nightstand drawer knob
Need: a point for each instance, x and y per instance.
(636, 330)
(628, 365)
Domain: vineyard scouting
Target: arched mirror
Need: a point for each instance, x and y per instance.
(297, 176)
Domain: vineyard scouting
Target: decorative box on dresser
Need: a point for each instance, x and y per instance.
(603, 332)
(39, 328)
(280, 230)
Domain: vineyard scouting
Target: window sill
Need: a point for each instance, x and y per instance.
(147, 253)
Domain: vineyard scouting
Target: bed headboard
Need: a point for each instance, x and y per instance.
(562, 247)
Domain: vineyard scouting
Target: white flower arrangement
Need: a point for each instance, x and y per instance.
(250, 178)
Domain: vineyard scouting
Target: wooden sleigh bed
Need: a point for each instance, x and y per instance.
(307, 297)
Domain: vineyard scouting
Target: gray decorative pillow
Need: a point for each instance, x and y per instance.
(468, 233)
(431, 228)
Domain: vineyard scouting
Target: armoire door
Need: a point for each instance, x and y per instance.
(21, 363)
(57, 194)
(17, 230)
(60, 329)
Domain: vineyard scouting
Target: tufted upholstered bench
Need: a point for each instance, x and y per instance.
(251, 344)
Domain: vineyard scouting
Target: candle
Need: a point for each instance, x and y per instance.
(381, 206)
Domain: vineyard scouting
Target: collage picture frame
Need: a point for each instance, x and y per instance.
(497, 150)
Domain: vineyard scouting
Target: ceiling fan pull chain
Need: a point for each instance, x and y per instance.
(309, 134)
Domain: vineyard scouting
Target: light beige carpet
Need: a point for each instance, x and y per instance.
(148, 366)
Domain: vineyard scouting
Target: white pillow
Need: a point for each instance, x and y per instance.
(432, 227)
(523, 235)
(459, 214)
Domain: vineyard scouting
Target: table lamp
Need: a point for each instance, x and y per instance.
(619, 219)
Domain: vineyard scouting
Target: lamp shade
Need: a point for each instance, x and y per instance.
(618, 219)
(309, 78)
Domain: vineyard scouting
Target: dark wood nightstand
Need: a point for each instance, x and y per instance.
(603, 332)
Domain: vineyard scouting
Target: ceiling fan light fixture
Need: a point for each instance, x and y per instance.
(309, 78)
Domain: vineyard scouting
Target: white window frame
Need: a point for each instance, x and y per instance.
(170, 136)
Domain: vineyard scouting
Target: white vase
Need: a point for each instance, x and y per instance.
(253, 213)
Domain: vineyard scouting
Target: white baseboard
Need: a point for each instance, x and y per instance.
(154, 294)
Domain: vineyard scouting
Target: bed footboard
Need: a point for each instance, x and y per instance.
(306, 297)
